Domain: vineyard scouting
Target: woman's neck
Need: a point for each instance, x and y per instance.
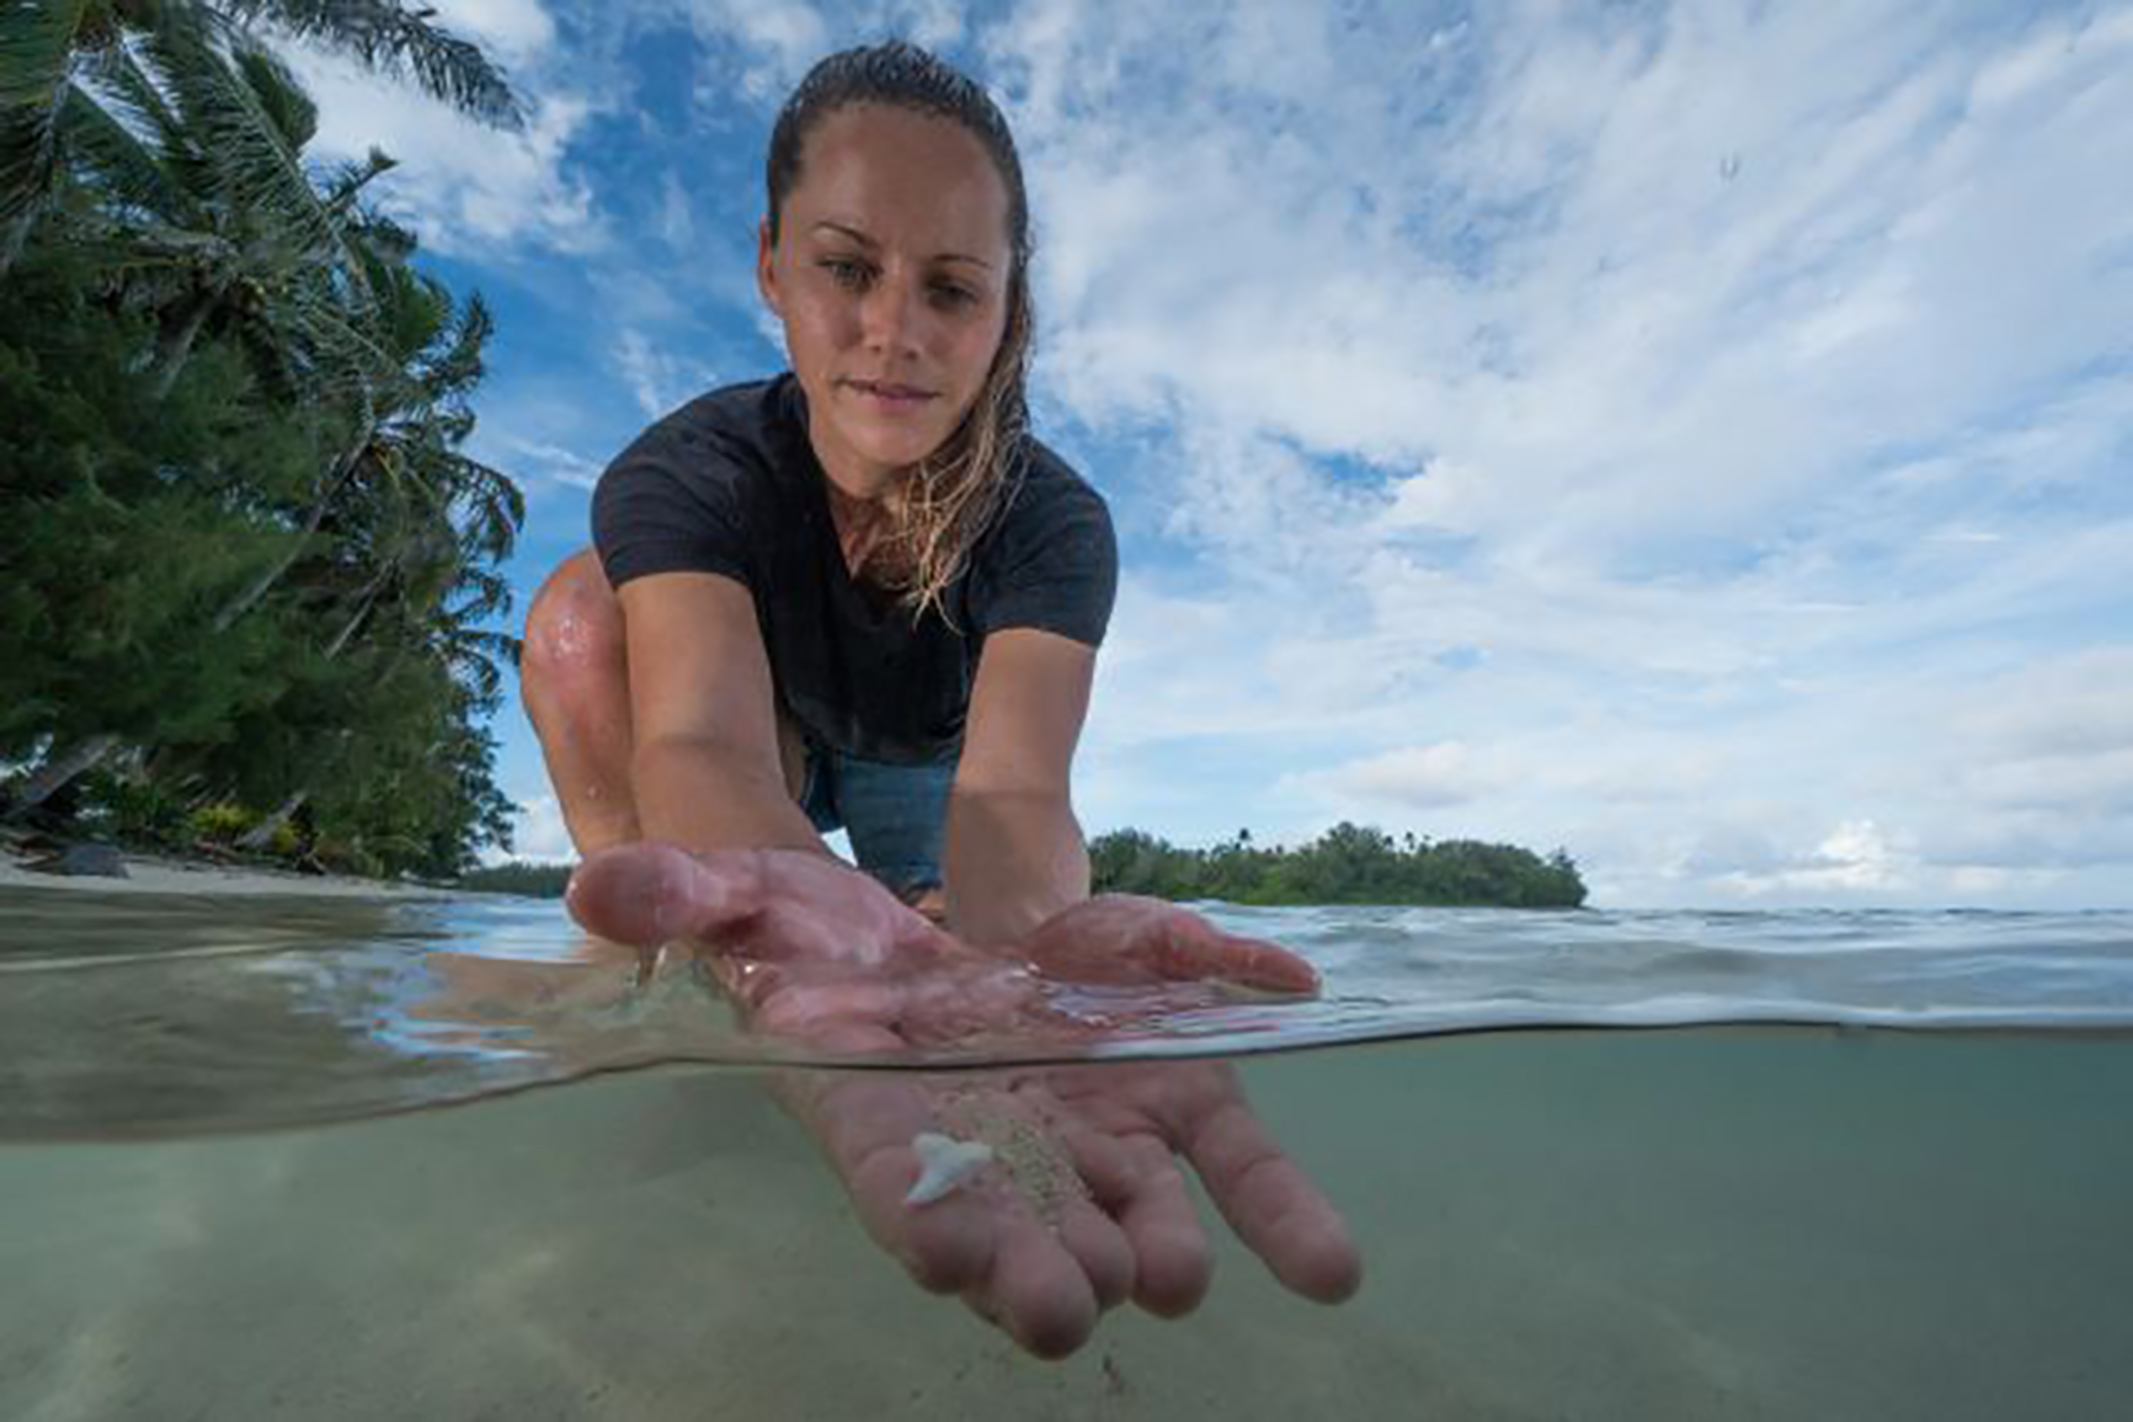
(864, 500)
(862, 525)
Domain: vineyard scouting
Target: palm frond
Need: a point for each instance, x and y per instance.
(281, 98)
(458, 367)
(109, 156)
(256, 170)
(387, 36)
(113, 75)
(346, 182)
(37, 44)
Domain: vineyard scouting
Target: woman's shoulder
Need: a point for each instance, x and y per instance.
(1047, 481)
(1048, 493)
(1050, 511)
(732, 430)
(696, 490)
(1051, 562)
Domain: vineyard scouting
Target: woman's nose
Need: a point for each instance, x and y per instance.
(890, 315)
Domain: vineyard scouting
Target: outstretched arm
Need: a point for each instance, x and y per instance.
(705, 769)
(1015, 856)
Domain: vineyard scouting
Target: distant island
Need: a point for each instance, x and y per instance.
(1348, 864)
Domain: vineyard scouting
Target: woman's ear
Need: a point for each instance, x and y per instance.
(766, 275)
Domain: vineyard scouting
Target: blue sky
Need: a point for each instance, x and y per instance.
(1696, 435)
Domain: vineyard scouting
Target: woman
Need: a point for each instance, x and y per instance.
(860, 594)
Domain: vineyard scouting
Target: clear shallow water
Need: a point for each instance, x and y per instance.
(170, 1015)
(1717, 1222)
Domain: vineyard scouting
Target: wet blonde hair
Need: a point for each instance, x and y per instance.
(952, 496)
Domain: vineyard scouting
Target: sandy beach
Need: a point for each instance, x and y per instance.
(160, 874)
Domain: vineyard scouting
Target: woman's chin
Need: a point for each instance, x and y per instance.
(892, 449)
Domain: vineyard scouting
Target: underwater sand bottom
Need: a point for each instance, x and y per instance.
(1686, 1225)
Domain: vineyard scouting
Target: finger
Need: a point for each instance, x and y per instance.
(1138, 1182)
(865, 1125)
(1100, 1246)
(1269, 966)
(921, 937)
(1273, 1206)
(648, 894)
(1037, 1293)
(1193, 950)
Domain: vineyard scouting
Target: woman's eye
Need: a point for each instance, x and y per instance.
(849, 275)
(949, 294)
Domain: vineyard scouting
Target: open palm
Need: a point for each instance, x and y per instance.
(1083, 1205)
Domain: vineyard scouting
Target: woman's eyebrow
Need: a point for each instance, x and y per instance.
(865, 241)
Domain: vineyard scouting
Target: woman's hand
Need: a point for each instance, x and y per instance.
(1125, 940)
(1084, 1205)
(809, 948)
(804, 946)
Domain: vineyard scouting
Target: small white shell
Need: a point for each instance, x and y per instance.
(943, 1163)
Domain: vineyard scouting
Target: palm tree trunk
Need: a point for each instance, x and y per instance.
(261, 835)
(60, 767)
(348, 629)
(177, 343)
(248, 599)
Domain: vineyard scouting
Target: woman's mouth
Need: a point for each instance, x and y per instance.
(888, 397)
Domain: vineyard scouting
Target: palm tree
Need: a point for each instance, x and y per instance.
(411, 564)
(47, 47)
(180, 184)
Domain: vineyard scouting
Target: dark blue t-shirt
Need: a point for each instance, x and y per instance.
(728, 484)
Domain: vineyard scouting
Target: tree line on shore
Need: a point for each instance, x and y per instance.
(1348, 864)
(249, 576)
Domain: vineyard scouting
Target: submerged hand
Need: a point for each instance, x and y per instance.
(1084, 1205)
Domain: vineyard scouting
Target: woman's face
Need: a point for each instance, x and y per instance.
(890, 273)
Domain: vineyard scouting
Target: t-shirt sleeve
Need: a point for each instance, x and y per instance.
(1057, 562)
(671, 503)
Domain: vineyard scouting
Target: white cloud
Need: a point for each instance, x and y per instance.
(565, 466)
(466, 188)
(1683, 411)
(658, 378)
(512, 32)
(538, 834)
(1855, 858)
(677, 221)
(1425, 777)
(778, 39)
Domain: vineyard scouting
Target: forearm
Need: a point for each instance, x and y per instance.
(701, 796)
(1014, 859)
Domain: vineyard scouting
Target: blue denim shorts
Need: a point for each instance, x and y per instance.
(896, 815)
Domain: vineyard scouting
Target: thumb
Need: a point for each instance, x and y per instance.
(644, 895)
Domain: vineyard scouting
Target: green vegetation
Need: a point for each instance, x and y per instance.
(1349, 864)
(250, 574)
(537, 881)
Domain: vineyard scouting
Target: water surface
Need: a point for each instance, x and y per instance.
(235, 1186)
